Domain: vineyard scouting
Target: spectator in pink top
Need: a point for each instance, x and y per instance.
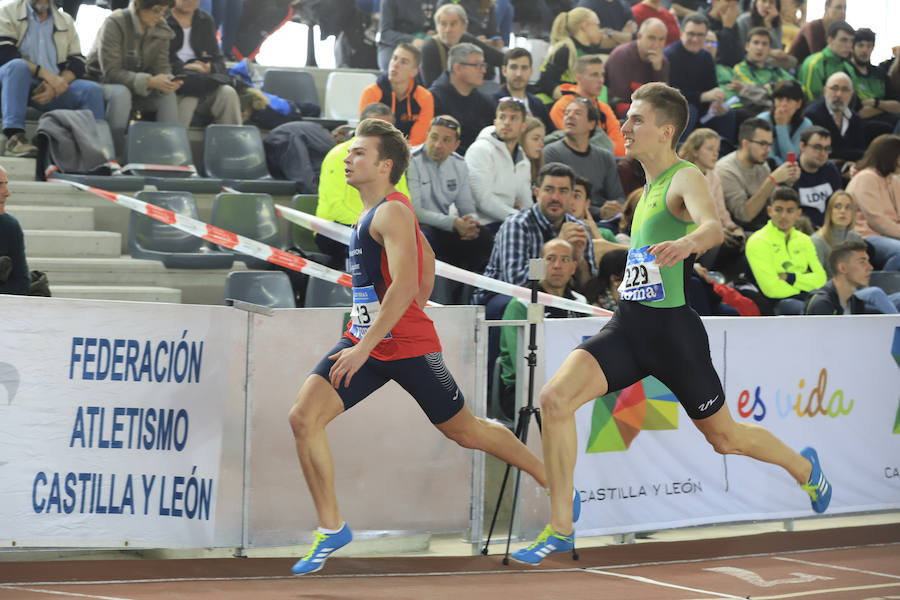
(876, 189)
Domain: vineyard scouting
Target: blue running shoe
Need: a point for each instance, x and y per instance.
(322, 547)
(576, 506)
(817, 487)
(548, 542)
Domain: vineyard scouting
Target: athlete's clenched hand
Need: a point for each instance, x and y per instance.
(669, 253)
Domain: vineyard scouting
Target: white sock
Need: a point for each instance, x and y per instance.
(330, 531)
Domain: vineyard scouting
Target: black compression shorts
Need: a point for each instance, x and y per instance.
(426, 378)
(668, 343)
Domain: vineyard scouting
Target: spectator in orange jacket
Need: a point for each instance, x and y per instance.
(589, 84)
(412, 104)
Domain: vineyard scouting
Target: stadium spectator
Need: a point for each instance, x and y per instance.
(609, 276)
(573, 34)
(787, 119)
(654, 9)
(631, 65)
(767, 14)
(580, 118)
(755, 69)
(561, 261)
(441, 195)
(617, 19)
(879, 113)
(499, 171)
(532, 143)
(783, 259)
(747, 181)
(455, 92)
(876, 189)
(451, 23)
(693, 71)
(338, 201)
(834, 58)
(517, 69)
(819, 177)
(482, 19)
(194, 53)
(14, 274)
(40, 65)
(812, 36)
(725, 77)
(130, 58)
(793, 15)
(402, 21)
(412, 104)
(833, 113)
(840, 214)
(589, 85)
(849, 290)
(722, 16)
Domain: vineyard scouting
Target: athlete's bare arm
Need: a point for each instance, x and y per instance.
(393, 226)
(427, 285)
(689, 199)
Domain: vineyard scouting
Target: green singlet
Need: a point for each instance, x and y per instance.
(645, 281)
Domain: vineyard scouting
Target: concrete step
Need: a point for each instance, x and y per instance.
(198, 286)
(70, 218)
(55, 242)
(112, 292)
(17, 169)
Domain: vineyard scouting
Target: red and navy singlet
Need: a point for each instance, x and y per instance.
(414, 333)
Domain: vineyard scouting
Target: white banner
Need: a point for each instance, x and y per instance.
(111, 421)
(642, 465)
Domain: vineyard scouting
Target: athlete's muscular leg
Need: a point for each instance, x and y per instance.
(317, 404)
(730, 437)
(579, 380)
(469, 431)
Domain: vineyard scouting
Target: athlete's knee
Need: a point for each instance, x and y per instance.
(554, 402)
(304, 418)
(465, 437)
(723, 443)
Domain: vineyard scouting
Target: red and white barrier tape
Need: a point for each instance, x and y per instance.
(341, 233)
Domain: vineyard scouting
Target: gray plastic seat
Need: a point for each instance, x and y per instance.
(302, 237)
(271, 289)
(249, 215)
(321, 293)
(111, 183)
(235, 154)
(889, 281)
(298, 86)
(151, 239)
(166, 144)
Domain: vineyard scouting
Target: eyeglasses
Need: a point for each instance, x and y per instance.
(481, 65)
(840, 88)
(448, 123)
(820, 148)
(159, 10)
(711, 44)
(762, 143)
(694, 35)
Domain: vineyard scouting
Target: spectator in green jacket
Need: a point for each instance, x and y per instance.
(783, 259)
(879, 113)
(818, 67)
(754, 69)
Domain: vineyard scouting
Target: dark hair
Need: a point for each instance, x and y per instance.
(392, 144)
(864, 34)
(790, 89)
(514, 53)
(376, 109)
(756, 19)
(841, 252)
(749, 127)
(882, 154)
(611, 263)
(417, 54)
(783, 193)
(149, 4)
(759, 31)
(670, 105)
(555, 169)
(840, 26)
(697, 19)
(511, 103)
(809, 132)
(586, 184)
(593, 113)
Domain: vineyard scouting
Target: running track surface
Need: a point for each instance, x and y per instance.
(858, 563)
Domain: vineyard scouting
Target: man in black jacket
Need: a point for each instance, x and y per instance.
(200, 62)
(848, 292)
(833, 112)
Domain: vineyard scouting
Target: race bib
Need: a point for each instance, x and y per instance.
(365, 308)
(642, 282)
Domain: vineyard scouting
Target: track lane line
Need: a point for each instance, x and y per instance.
(840, 567)
(56, 593)
(663, 584)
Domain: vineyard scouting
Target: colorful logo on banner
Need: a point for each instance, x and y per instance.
(895, 352)
(620, 416)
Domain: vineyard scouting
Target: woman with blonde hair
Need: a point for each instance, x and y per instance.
(532, 142)
(573, 34)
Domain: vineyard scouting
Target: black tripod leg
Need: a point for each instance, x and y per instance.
(484, 550)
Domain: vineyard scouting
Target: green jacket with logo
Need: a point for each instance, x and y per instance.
(816, 70)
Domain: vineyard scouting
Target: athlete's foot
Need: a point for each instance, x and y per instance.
(323, 546)
(548, 542)
(817, 487)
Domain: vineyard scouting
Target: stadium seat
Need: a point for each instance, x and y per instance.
(271, 289)
(249, 215)
(151, 239)
(235, 154)
(298, 86)
(301, 237)
(889, 281)
(342, 93)
(165, 148)
(321, 293)
(111, 183)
